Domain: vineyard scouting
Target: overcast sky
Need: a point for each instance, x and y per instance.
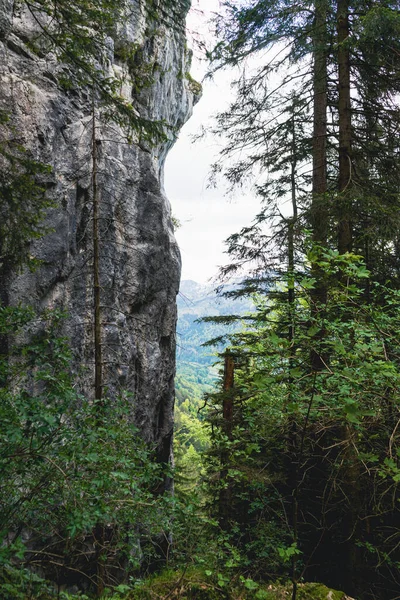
(207, 216)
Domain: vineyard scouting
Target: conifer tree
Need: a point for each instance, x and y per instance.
(339, 185)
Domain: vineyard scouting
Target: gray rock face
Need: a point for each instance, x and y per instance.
(6, 13)
(139, 258)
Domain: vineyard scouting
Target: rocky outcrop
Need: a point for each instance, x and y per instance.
(139, 258)
(6, 13)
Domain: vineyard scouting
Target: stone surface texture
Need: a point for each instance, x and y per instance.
(139, 257)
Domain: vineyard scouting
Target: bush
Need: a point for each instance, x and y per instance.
(75, 476)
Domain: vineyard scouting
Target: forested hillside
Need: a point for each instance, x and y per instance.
(198, 366)
(195, 301)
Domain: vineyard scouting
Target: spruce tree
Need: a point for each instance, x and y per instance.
(341, 179)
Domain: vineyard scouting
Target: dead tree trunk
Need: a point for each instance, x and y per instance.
(98, 359)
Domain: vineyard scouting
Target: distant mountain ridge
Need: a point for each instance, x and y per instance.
(196, 300)
(195, 374)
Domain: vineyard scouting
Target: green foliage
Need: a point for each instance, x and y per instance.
(309, 454)
(71, 482)
(81, 35)
(191, 437)
(141, 71)
(310, 451)
(195, 375)
(288, 553)
(268, 136)
(199, 584)
(315, 408)
(76, 32)
(76, 480)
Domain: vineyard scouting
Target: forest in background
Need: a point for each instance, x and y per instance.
(294, 477)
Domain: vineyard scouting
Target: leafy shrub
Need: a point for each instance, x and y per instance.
(75, 477)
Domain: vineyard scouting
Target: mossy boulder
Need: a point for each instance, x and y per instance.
(191, 585)
(194, 584)
(317, 591)
(200, 591)
(305, 591)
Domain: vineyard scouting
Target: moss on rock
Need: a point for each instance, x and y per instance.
(317, 591)
(195, 585)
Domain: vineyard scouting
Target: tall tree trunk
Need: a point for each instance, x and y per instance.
(98, 360)
(344, 109)
(292, 425)
(291, 233)
(319, 206)
(351, 473)
(5, 271)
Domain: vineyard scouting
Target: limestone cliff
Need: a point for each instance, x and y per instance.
(139, 258)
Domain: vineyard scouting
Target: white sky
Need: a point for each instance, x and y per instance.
(207, 216)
